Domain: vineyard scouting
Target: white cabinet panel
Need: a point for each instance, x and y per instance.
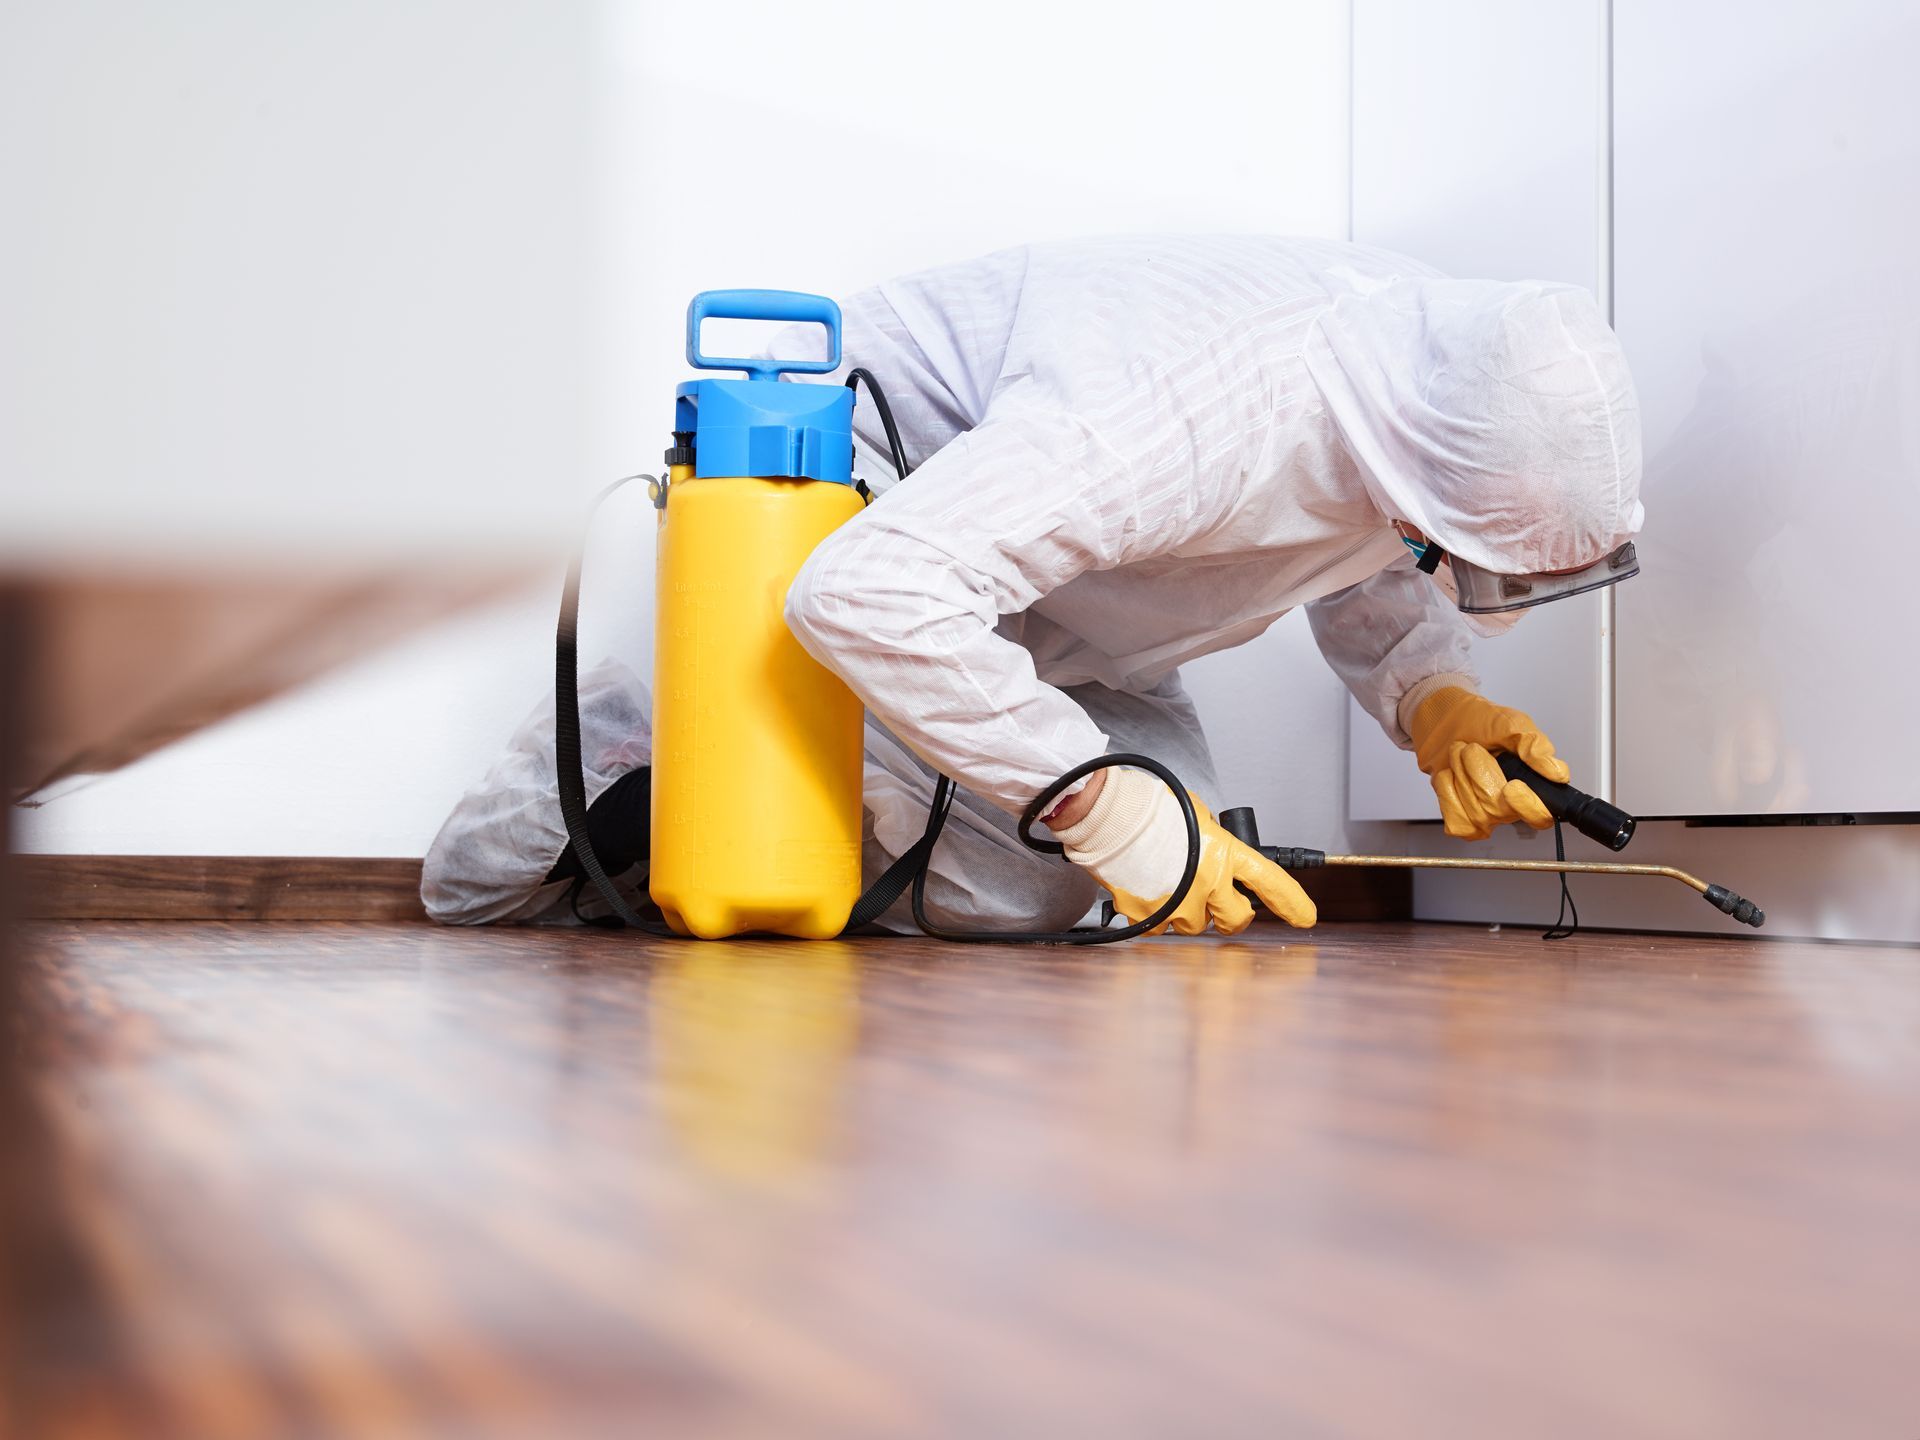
(1767, 200)
(1477, 147)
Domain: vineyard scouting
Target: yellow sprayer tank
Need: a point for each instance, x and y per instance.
(756, 746)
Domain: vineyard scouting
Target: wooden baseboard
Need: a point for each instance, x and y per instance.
(216, 887)
(278, 887)
(1360, 893)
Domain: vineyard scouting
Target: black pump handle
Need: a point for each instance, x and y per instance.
(1592, 817)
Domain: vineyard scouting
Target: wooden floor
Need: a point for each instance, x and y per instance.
(1391, 1181)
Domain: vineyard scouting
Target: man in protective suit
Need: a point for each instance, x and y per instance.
(1133, 452)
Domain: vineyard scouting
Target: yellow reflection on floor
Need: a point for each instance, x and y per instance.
(750, 1045)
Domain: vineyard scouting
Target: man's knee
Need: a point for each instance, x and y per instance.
(1011, 893)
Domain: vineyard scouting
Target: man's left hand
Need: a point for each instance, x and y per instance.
(1456, 734)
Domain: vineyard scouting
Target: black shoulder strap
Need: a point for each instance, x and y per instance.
(891, 885)
(566, 732)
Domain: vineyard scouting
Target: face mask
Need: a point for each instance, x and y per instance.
(1486, 626)
(1482, 592)
(1493, 604)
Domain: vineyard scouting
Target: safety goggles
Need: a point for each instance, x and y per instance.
(1481, 592)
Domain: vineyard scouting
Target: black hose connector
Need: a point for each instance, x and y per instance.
(1591, 816)
(1294, 857)
(1239, 822)
(1745, 911)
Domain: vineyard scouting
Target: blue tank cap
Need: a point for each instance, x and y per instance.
(763, 426)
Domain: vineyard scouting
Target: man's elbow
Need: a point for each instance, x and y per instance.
(822, 600)
(864, 594)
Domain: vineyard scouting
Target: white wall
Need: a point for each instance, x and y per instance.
(364, 762)
(817, 147)
(291, 284)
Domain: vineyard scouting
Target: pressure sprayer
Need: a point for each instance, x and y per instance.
(756, 787)
(756, 778)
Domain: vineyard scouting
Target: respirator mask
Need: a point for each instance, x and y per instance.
(1493, 604)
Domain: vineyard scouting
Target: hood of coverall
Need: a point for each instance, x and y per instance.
(1499, 418)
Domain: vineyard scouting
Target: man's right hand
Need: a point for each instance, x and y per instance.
(1133, 840)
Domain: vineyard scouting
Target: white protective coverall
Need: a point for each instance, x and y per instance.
(1134, 452)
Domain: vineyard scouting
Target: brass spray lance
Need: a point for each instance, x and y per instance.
(1595, 818)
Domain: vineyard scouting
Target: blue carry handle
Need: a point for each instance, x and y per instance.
(763, 305)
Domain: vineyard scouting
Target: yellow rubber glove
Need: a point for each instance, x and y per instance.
(1455, 736)
(1134, 842)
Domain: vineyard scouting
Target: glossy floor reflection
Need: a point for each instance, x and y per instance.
(1385, 1181)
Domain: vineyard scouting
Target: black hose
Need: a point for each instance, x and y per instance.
(860, 375)
(937, 819)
